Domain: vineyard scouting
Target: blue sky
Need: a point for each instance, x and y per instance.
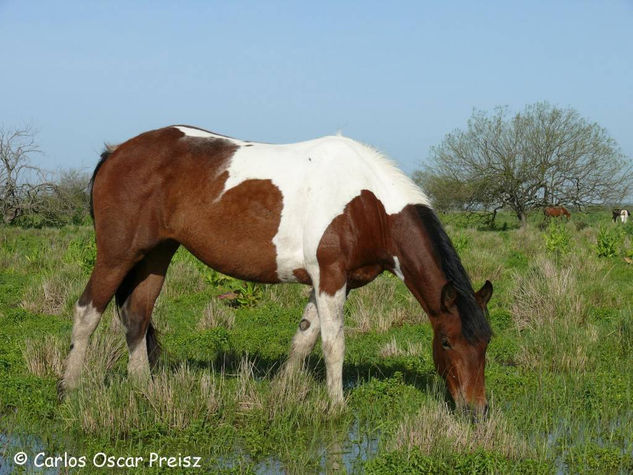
(397, 75)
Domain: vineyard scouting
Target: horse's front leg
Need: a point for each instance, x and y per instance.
(306, 336)
(330, 308)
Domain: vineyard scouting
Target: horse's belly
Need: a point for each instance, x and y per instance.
(243, 260)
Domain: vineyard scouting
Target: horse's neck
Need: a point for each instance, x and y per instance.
(418, 261)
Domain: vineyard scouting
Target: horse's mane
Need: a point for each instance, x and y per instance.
(475, 326)
(391, 173)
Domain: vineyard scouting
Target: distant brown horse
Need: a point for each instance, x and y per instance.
(556, 212)
(331, 213)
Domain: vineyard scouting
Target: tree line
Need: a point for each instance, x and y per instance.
(541, 156)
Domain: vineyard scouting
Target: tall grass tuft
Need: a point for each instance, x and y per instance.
(392, 348)
(544, 293)
(179, 398)
(551, 313)
(436, 430)
(296, 391)
(216, 315)
(379, 307)
(54, 293)
(45, 358)
(247, 396)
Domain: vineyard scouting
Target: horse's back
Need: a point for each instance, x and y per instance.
(253, 210)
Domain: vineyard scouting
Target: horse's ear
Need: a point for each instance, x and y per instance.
(483, 295)
(449, 294)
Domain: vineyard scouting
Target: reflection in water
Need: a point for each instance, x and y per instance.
(348, 452)
(11, 445)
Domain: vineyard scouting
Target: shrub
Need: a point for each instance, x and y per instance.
(249, 294)
(557, 239)
(607, 242)
(82, 250)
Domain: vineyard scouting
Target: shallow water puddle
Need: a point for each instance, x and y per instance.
(11, 450)
(350, 453)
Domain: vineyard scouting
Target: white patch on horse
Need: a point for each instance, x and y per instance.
(317, 179)
(396, 268)
(200, 133)
(624, 216)
(86, 320)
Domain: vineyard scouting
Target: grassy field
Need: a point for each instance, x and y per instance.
(559, 368)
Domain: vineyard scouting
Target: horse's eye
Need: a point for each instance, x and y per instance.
(445, 344)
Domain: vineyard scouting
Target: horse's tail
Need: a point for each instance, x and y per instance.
(109, 149)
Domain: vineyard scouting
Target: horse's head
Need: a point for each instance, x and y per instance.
(460, 353)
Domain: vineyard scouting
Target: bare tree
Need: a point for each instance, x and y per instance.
(543, 155)
(21, 183)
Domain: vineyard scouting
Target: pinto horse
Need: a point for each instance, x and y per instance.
(331, 213)
(623, 214)
(556, 212)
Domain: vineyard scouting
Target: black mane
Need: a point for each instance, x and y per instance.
(475, 326)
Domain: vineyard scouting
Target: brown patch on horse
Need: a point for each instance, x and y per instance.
(242, 244)
(364, 275)
(353, 247)
(166, 185)
(302, 276)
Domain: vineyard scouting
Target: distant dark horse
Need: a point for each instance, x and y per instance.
(556, 212)
(623, 214)
(331, 213)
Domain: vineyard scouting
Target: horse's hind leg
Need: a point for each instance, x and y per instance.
(135, 298)
(105, 278)
(306, 336)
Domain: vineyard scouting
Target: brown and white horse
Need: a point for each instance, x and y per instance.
(556, 212)
(621, 213)
(331, 213)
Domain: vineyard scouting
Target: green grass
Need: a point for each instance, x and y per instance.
(558, 370)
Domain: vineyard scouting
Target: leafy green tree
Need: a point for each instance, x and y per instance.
(541, 156)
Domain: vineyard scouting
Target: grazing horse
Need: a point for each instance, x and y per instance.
(331, 213)
(621, 213)
(556, 211)
(615, 214)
